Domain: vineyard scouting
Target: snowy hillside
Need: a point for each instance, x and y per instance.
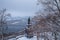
(42, 37)
(25, 38)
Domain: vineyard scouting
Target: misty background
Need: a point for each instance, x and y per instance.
(19, 8)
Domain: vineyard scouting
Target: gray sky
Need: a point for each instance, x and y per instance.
(19, 7)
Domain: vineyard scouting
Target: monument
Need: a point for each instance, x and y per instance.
(28, 30)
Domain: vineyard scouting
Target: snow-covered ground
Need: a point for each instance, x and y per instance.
(25, 38)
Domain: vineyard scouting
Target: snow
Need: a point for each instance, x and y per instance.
(15, 22)
(25, 38)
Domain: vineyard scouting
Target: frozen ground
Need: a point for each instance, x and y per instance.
(25, 38)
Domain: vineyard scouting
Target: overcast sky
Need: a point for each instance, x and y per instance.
(19, 7)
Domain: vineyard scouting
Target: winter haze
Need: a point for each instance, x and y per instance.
(19, 7)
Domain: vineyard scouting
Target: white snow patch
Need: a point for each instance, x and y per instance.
(15, 22)
(25, 38)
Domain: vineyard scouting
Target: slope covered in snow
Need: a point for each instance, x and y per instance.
(25, 38)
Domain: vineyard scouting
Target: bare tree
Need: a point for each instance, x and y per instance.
(3, 21)
(41, 25)
(52, 7)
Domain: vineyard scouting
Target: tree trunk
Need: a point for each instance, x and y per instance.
(55, 35)
(44, 36)
(2, 31)
(38, 35)
(2, 37)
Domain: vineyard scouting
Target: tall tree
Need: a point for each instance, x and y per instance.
(3, 21)
(52, 19)
(52, 7)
